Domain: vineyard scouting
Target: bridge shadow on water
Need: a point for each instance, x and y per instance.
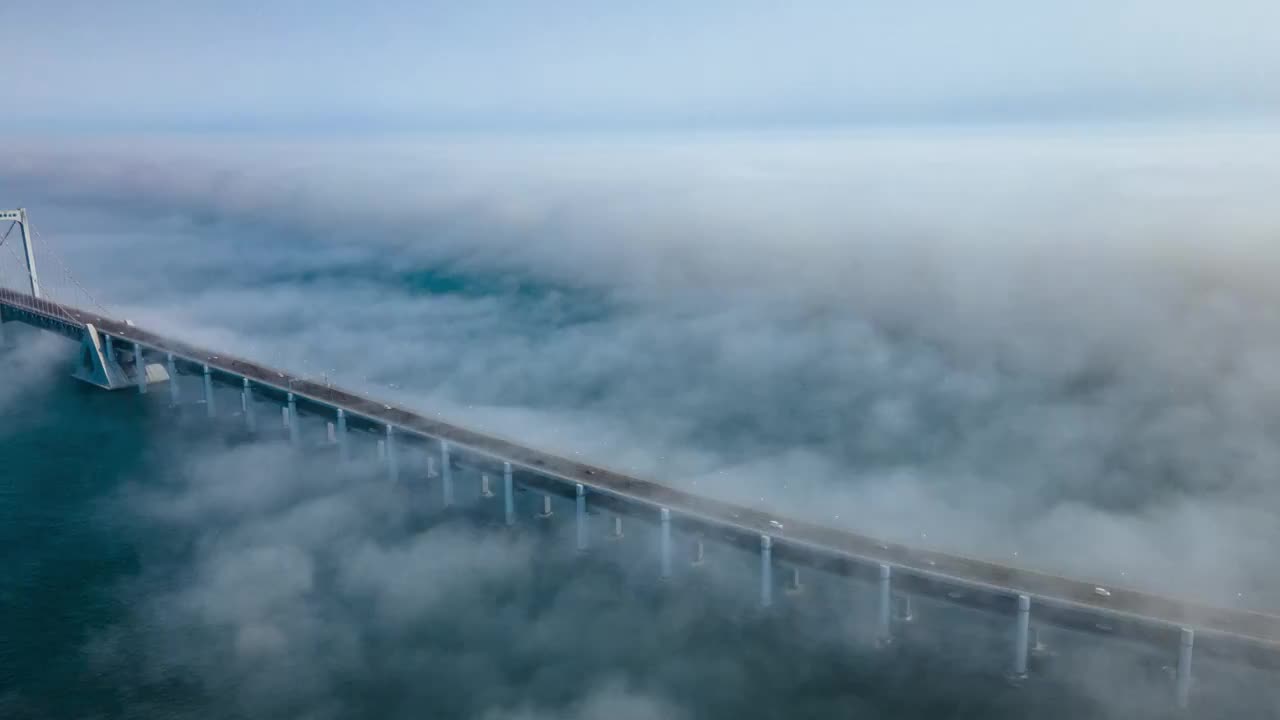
(160, 565)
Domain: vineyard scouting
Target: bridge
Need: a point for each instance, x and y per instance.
(115, 354)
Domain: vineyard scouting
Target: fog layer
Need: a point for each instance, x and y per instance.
(1052, 350)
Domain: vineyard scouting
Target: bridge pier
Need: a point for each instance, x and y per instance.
(794, 587)
(1182, 687)
(664, 543)
(209, 409)
(508, 494)
(766, 571)
(699, 552)
(291, 420)
(246, 405)
(884, 635)
(175, 394)
(485, 490)
(1021, 639)
(344, 451)
(580, 516)
(446, 474)
(1039, 648)
(902, 611)
(139, 369)
(393, 463)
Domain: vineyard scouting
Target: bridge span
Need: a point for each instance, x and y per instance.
(1249, 636)
(115, 354)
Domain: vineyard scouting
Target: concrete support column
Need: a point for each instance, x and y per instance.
(508, 494)
(393, 463)
(344, 451)
(4, 339)
(292, 420)
(1039, 648)
(794, 585)
(766, 571)
(174, 393)
(580, 516)
(485, 490)
(546, 507)
(246, 405)
(431, 467)
(664, 541)
(884, 634)
(330, 435)
(1022, 637)
(446, 474)
(139, 369)
(109, 345)
(617, 528)
(382, 451)
(699, 552)
(904, 613)
(209, 409)
(1182, 691)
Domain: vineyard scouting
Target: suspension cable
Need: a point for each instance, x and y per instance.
(307, 374)
(57, 257)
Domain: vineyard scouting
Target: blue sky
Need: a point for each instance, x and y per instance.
(327, 65)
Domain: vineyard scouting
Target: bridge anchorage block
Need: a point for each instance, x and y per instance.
(99, 364)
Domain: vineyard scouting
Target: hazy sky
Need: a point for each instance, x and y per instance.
(332, 66)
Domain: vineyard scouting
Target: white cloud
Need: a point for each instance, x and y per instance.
(1055, 345)
(1020, 317)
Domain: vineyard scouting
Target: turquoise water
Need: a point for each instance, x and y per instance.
(65, 450)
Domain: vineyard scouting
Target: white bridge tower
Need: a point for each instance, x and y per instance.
(19, 216)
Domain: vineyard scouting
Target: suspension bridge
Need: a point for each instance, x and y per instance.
(114, 354)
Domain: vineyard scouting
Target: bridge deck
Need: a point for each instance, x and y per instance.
(1252, 633)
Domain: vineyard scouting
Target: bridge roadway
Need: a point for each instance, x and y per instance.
(1233, 634)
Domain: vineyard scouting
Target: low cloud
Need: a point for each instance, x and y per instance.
(31, 361)
(1056, 351)
(964, 336)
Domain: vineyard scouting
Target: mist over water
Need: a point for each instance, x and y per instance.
(1053, 351)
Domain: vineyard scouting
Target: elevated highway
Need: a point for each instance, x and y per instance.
(1171, 624)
